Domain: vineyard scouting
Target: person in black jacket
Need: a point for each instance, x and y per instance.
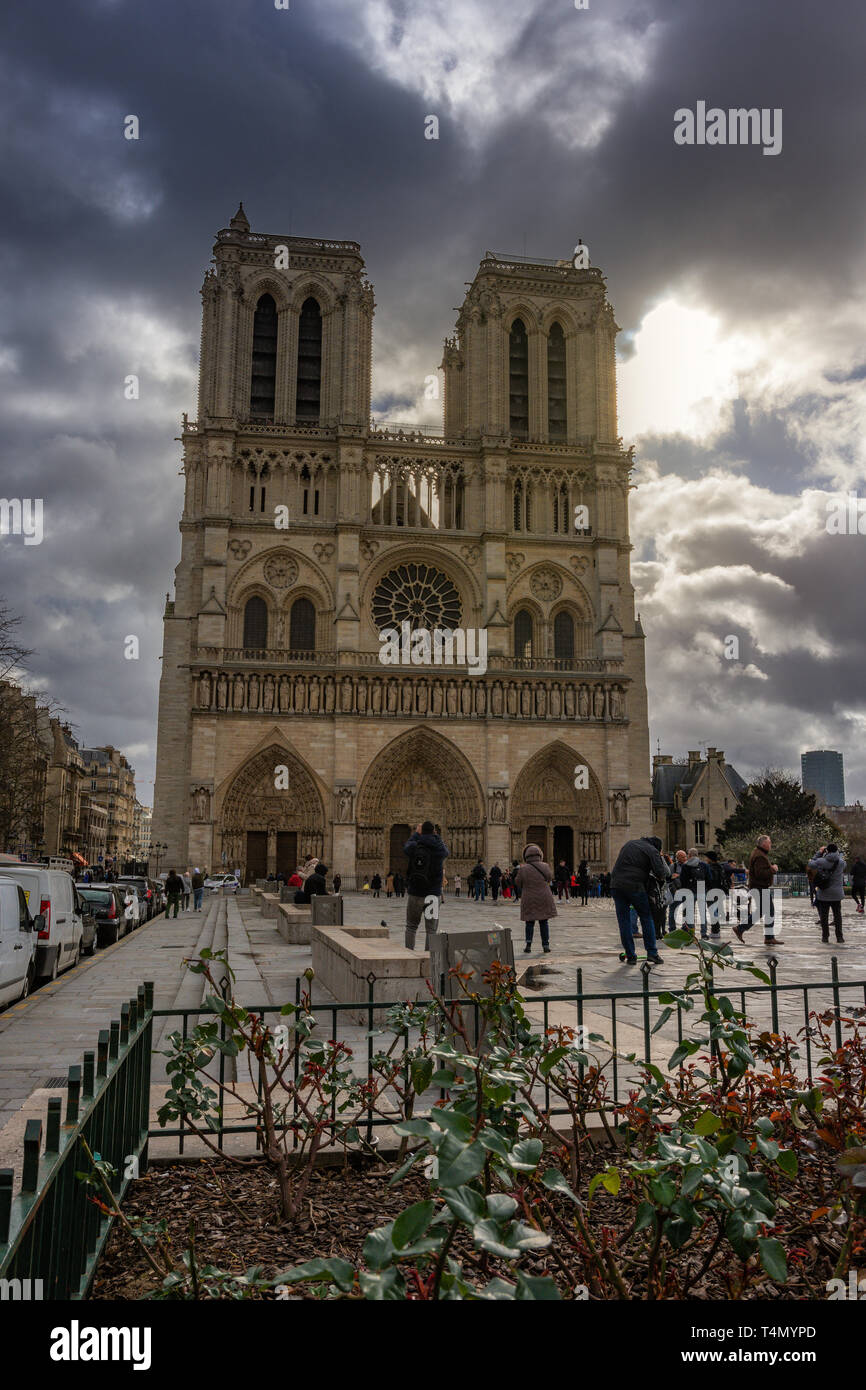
(637, 862)
(495, 877)
(426, 853)
(314, 884)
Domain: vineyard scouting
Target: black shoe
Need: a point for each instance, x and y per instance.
(631, 960)
(738, 932)
(825, 940)
(527, 948)
(546, 950)
(655, 960)
(840, 939)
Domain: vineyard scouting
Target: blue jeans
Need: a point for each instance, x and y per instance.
(623, 900)
(197, 895)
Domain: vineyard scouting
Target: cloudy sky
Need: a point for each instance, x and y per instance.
(738, 279)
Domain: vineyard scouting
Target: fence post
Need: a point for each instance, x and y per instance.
(837, 1006)
(52, 1137)
(30, 1166)
(102, 1053)
(371, 980)
(6, 1176)
(88, 1076)
(774, 997)
(73, 1094)
(647, 1044)
(580, 1068)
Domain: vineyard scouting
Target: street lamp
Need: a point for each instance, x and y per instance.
(157, 849)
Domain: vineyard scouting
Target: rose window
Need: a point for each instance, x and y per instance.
(418, 594)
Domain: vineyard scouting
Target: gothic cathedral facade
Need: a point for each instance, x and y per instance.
(307, 531)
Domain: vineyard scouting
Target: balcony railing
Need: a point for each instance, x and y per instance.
(275, 656)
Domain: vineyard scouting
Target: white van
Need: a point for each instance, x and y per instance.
(51, 894)
(18, 932)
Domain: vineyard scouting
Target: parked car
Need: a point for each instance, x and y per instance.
(146, 895)
(18, 934)
(50, 893)
(158, 893)
(217, 882)
(106, 904)
(88, 924)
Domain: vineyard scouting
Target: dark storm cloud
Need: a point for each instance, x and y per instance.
(301, 113)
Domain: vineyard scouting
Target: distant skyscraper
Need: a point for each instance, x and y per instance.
(822, 772)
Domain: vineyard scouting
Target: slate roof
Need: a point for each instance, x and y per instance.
(672, 775)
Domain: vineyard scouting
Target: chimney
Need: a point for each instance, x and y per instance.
(694, 757)
(662, 760)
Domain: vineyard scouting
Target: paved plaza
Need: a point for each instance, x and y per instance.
(42, 1036)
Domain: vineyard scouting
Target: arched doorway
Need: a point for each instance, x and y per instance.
(265, 827)
(420, 776)
(548, 810)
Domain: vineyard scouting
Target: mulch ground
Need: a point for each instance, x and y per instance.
(237, 1226)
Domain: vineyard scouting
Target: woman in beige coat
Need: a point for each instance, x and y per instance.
(537, 903)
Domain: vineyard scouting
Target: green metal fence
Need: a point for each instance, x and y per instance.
(52, 1233)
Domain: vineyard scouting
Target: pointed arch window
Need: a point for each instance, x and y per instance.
(263, 383)
(563, 636)
(557, 412)
(523, 633)
(302, 626)
(309, 391)
(255, 624)
(518, 379)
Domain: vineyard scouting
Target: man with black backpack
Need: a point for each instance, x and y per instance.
(426, 854)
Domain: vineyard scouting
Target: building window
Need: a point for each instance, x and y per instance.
(700, 832)
(518, 379)
(557, 422)
(302, 626)
(523, 634)
(309, 390)
(563, 636)
(264, 375)
(256, 623)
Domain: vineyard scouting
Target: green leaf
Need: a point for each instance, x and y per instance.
(335, 1271)
(773, 1258)
(464, 1168)
(388, 1287)
(554, 1181)
(422, 1073)
(466, 1204)
(454, 1123)
(494, 1142)
(645, 1216)
(379, 1247)
(500, 1206)
(707, 1123)
(537, 1288)
(662, 1190)
(422, 1127)
(611, 1181)
(412, 1223)
(662, 1019)
(525, 1155)
(404, 1167)
(787, 1161)
(764, 1125)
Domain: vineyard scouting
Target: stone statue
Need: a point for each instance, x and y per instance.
(344, 805)
(480, 698)
(451, 697)
(315, 695)
(285, 694)
(569, 702)
(253, 692)
(497, 808)
(541, 700)
(525, 700)
(555, 702)
(362, 696)
(436, 700)
(201, 805)
(583, 702)
(204, 690)
(423, 695)
(466, 698)
(346, 695)
(406, 697)
(376, 696)
(222, 692)
(496, 698)
(598, 702)
(268, 694)
(512, 697)
(330, 694)
(616, 709)
(300, 694)
(618, 808)
(238, 693)
(392, 696)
